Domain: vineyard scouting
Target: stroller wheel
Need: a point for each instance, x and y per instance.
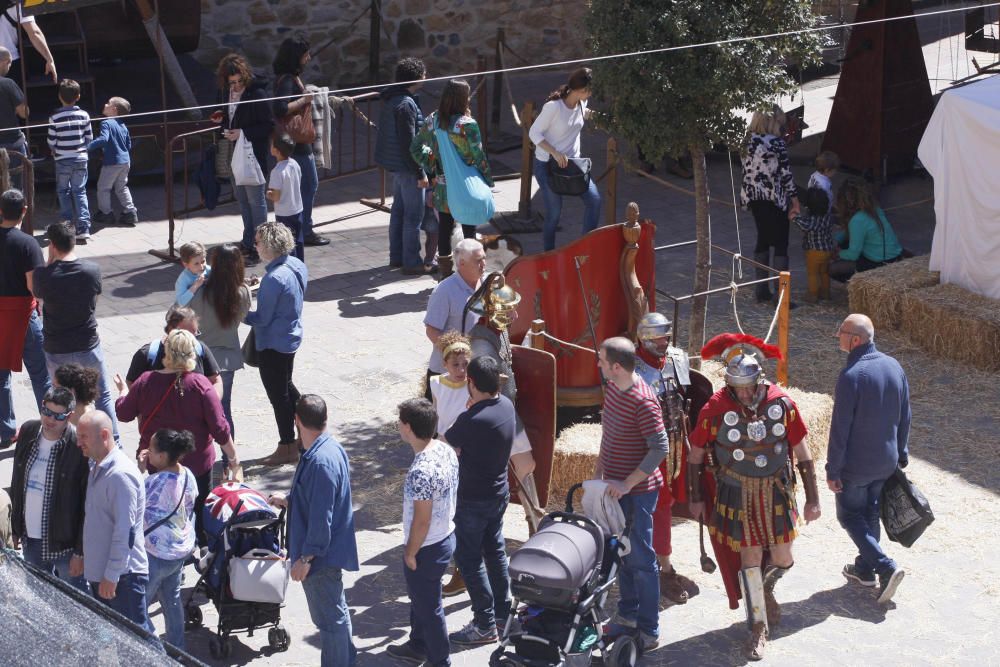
(278, 638)
(193, 618)
(624, 652)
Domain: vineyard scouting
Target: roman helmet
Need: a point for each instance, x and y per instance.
(651, 327)
(495, 300)
(742, 355)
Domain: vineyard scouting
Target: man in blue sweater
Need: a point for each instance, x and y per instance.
(868, 435)
(321, 542)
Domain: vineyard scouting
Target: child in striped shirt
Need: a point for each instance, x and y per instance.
(69, 135)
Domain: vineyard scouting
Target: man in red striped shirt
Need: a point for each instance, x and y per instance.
(633, 443)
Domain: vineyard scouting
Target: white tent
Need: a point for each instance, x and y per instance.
(961, 150)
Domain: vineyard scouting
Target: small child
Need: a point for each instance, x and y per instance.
(68, 138)
(817, 223)
(116, 142)
(195, 273)
(449, 392)
(284, 189)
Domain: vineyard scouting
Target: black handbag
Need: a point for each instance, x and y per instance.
(249, 349)
(904, 509)
(573, 179)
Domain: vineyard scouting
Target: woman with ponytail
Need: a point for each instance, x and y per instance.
(556, 135)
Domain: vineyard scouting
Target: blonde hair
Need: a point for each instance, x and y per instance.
(767, 122)
(180, 351)
(276, 238)
(454, 340)
(827, 161)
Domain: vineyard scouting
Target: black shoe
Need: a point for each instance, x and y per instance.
(6, 442)
(406, 653)
(888, 583)
(102, 218)
(316, 240)
(418, 270)
(852, 573)
(395, 265)
(128, 218)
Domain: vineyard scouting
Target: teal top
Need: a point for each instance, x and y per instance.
(866, 238)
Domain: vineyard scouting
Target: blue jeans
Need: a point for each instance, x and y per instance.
(481, 557)
(428, 629)
(227, 399)
(405, 216)
(324, 589)
(308, 188)
(57, 568)
(858, 513)
(129, 599)
(639, 581)
(93, 358)
(553, 206)
(165, 581)
(34, 363)
(253, 209)
(294, 223)
(71, 188)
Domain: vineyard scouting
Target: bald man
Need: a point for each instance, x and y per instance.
(114, 551)
(868, 439)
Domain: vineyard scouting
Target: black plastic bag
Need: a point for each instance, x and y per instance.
(904, 509)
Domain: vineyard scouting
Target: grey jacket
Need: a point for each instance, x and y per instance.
(113, 543)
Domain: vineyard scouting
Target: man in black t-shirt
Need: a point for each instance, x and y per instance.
(483, 434)
(12, 109)
(68, 288)
(21, 334)
(178, 317)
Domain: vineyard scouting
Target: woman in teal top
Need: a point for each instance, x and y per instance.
(869, 240)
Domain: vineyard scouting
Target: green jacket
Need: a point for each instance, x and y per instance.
(865, 237)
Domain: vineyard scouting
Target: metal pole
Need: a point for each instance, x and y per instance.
(785, 287)
(524, 203)
(374, 42)
(497, 81)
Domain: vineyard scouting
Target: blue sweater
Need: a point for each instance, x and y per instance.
(321, 517)
(115, 140)
(871, 418)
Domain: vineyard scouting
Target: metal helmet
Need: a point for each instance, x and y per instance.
(743, 370)
(496, 302)
(651, 327)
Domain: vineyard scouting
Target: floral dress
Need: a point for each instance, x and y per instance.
(465, 135)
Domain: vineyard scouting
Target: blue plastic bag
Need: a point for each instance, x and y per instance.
(469, 197)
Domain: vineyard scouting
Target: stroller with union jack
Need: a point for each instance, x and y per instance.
(245, 571)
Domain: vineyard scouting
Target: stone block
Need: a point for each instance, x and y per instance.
(293, 14)
(417, 7)
(410, 36)
(260, 14)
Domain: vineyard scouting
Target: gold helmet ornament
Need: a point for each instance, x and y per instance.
(495, 300)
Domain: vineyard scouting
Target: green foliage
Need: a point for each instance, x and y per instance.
(670, 102)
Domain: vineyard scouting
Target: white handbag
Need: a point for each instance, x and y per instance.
(246, 170)
(259, 576)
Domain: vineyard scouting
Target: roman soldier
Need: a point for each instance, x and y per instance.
(666, 369)
(746, 440)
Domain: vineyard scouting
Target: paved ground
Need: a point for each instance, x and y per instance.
(364, 351)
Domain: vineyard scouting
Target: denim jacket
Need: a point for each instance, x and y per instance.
(114, 140)
(277, 322)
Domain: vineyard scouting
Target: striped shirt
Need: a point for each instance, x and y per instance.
(70, 133)
(628, 419)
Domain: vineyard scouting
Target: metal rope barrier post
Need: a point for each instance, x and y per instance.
(524, 203)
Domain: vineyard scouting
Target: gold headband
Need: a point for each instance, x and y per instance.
(457, 346)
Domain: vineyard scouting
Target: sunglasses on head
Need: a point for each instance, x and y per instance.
(58, 416)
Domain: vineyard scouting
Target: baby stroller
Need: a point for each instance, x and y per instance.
(245, 572)
(563, 574)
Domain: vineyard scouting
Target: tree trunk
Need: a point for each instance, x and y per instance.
(703, 234)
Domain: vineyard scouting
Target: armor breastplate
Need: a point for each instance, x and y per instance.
(757, 445)
(486, 342)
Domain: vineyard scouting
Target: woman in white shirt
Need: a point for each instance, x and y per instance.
(556, 135)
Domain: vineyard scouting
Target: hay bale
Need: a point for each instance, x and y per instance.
(951, 322)
(879, 293)
(578, 445)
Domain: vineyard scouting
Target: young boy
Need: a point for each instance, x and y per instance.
(283, 188)
(195, 273)
(116, 143)
(817, 224)
(69, 136)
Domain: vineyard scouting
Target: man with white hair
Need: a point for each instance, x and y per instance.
(444, 308)
(868, 439)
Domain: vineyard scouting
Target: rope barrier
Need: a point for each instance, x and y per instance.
(555, 64)
(546, 335)
(506, 85)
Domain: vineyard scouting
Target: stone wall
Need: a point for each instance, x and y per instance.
(447, 34)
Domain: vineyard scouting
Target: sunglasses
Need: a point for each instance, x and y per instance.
(58, 416)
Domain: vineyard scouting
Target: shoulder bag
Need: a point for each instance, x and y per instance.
(469, 197)
(173, 512)
(297, 125)
(251, 357)
(573, 179)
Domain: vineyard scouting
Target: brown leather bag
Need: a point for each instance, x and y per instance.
(299, 126)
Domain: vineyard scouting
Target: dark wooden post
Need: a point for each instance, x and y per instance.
(527, 153)
(498, 80)
(482, 104)
(374, 41)
(612, 205)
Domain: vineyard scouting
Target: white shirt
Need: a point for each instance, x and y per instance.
(433, 476)
(450, 400)
(34, 493)
(8, 33)
(287, 177)
(560, 126)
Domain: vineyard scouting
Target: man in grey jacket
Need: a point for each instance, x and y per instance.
(114, 551)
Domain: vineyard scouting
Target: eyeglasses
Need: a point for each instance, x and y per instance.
(58, 416)
(844, 332)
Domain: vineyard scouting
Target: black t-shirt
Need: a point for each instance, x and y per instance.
(19, 253)
(69, 292)
(485, 433)
(10, 98)
(204, 363)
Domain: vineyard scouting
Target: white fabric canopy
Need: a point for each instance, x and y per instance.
(961, 150)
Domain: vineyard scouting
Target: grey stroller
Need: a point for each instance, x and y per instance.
(560, 580)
